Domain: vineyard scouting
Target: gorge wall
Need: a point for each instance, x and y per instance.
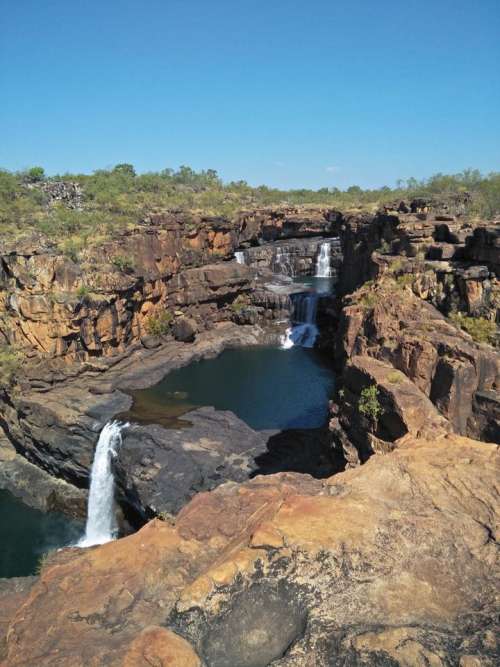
(391, 562)
(86, 325)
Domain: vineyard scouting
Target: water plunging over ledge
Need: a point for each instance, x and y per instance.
(303, 331)
(101, 525)
(239, 256)
(323, 260)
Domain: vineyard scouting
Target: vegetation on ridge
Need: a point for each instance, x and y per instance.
(116, 198)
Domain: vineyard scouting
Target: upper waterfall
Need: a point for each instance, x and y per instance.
(323, 261)
(101, 525)
(239, 256)
(282, 263)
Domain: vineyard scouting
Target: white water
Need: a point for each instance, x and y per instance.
(323, 261)
(304, 330)
(282, 263)
(239, 255)
(101, 525)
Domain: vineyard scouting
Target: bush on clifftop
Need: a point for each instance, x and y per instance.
(118, 197)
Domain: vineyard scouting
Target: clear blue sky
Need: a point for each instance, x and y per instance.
(284, 92)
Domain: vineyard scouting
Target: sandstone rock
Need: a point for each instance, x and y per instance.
(391, 563)
(13, 593)
(184, 329)
(390, 323)
(404, 410)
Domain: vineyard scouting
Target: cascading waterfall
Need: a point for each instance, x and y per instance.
(101, 525)
(303, 331)
(323, 261)
(239, 255)
(282, 263)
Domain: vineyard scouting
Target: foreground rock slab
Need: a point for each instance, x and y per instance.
(391, 563)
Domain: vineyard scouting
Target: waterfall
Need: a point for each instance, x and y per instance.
(323, 261)
(239, 255)
(101, 525)
(303, 331)
(282, 262)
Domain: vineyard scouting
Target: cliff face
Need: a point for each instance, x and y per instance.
(391, 563)
(107, 299)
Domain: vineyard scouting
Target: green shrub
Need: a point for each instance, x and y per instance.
(481, 329)
(159, 325)
(369, 404)
(123, 262)
(369, 299)
(239, 303)
(10, 362)
(82, 291)
(72, 247)
(35, 174)
(405, 280)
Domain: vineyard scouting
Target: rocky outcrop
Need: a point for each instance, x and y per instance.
(284, 222)
(391, 563)
(387, 322)
(296, 257)
(37, 488)
(54, 430)
(448, 261)
(158, 470)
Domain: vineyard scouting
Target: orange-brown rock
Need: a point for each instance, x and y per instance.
(387, 321)
(392, 563)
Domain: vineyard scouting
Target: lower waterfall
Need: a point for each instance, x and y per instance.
(323, 261)
(101, 525)
(303, 331)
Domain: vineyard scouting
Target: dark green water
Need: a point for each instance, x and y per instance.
(27, 534)
(266, 387)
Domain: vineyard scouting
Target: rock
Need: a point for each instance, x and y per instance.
(184, 329)
(158, 646)
(13, 593)
(390, 563)
(391, 324)
(159, 470)
(404, 410)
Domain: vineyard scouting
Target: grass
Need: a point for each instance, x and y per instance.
(395, 377)
(405, 280)
(479, 328)
(114, 199)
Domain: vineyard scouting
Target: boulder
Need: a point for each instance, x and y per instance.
(184, 329)
(159, 470)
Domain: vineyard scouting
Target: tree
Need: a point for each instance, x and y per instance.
(125, 169)
(35, 174)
